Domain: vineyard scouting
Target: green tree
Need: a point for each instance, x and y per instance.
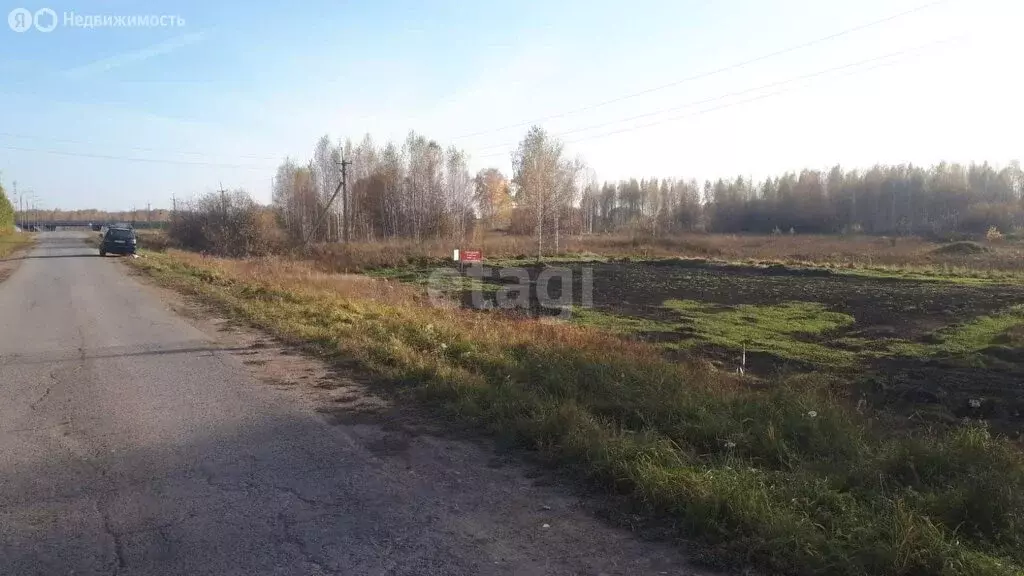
(6, 213)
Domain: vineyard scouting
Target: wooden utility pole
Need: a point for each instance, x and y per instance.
(344, 201)
(344, 198)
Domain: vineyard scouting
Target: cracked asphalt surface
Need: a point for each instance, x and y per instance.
(132, 443)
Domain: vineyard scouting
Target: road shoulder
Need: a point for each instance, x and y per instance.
(520, 512)
(12, 250)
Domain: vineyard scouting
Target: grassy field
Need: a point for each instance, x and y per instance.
(982, 259)
(926, 348)
(13, 241)
(866, 435)
(910, 257)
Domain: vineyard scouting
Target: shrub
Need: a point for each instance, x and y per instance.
(156, 240)
(993, 234)
(6, 213)
(229, 224)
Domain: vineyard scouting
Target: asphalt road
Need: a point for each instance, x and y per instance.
(130, 443)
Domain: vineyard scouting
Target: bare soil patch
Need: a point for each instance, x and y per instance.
(919, 383)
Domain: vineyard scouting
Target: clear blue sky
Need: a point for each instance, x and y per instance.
(243, 84)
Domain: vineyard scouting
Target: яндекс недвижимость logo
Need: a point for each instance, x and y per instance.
(46, 20)
(21, 19)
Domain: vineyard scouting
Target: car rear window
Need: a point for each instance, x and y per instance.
(120, 234)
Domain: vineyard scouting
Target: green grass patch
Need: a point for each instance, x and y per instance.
(618, 324)
(800, 331)
(984, 333)
(786, 478)
(773, 329)
(784, 330)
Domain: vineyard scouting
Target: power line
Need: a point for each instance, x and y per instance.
(812, 75)
(715, 98)
(712, 72)
(133, 148)
(132, 159)
(572, 131)
(554, 116)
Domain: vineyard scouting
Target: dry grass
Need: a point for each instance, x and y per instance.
(910, 254)
(831, 251)
(153, 239)
(408, 303)
(13, 241)
(785, 477)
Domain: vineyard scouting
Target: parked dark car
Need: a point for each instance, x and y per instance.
(118, 241)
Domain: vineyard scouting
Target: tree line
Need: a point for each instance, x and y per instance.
(418, 189)
(414, 189)
(901, 199)
(885, 199)
(94, 215)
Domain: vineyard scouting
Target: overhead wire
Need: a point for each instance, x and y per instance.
(883, 59)
(714, 72)
(132, 148)
(702, 75)
(135, 159)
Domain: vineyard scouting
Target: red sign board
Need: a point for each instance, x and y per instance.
(472, 256)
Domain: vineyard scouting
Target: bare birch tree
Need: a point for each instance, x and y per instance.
(326, 167)
(458, 190)
(538, 174)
